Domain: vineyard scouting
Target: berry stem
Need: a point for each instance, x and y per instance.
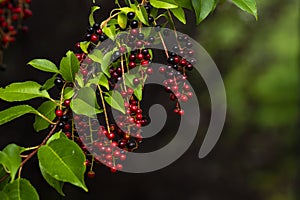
(123, 73)
(36, 149)
(104, 109)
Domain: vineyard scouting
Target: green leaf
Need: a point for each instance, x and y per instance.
(44, 65)
(69, 66)
(84, 46)
(122, 20)
(166, 4)
(103, 81)
(91, 17)
(248, 6)
(2, 174)
(21, 189)
(56, 136)
(106, 63)
(49, 83)
(110, 31)
(185, 4)
(96, 56)
(179, 14)
(3, 196)
(68, 93)
(126, 10)
(10, 158)
(202, 8)
(115, 100)
(57, 185)
(88, 95)
(79, 79)
(22, 91)
(141, 13)
(15, 112)
(138, 92)
(48, 110)
(63, 160)
(81, 107)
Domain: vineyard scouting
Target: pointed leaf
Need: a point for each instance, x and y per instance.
(138, 92)
(68, 92)
(63, 160)
(69, 66)
(15, 112)
(115, 100)
(179, 14)
(10, 159)
(103, 81)
(21, 189)
(44, 65)
(96, 56)
(49, 83)
(56, 136)
(202, 8)
(84, 46)
(91, 17)
(22, 91)
(248, 6)
(57, 185)
(106, 63)
(122, 20)
(48, 110)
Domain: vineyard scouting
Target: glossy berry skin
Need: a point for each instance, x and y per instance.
(134, 24)
(59, 82)
(136, 81)
(59, 113)
(150, 19)
(94, 38)
(67, 102)
(130, 15)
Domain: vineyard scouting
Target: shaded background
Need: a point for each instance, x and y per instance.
(257, 156)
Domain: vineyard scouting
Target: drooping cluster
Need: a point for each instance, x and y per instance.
(12, 13)
(107, 138)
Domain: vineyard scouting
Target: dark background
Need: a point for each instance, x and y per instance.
(257, 156)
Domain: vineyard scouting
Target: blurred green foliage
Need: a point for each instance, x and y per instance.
(260, 66)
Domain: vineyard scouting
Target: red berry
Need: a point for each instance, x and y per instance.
(113, 170)
(145, 63)
(123, 157)
(189, 94)
(91, 174)
(59, 113)
(136, 81)
(162, 70)
(132, 65)
(139, 116)
(181, 112)
(94, 38)
(67, 102)
(122, 49)
(140, 56)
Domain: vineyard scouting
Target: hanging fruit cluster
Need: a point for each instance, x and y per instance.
(125, 76)
(12, 13)
(98, 115)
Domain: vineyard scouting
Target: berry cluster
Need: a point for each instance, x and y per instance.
(180, 61)
(131, 56)
(12, 12)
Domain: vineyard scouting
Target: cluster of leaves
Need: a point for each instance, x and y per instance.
(61, 160)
